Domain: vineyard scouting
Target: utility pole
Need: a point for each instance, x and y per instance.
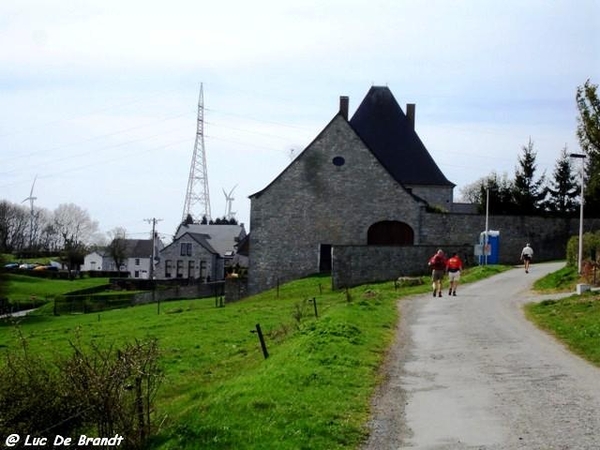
(487, 225)
(197, 188)
(153, 221)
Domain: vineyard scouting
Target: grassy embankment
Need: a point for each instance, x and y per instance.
(22, 288)
(221, 393)
(574, 320)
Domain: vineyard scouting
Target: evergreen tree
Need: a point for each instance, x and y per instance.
(563, 188)
(588, 132)
(528, 193)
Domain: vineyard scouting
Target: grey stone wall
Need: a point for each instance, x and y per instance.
(548, 236)
(440, 196)
(235, 289)
(355, 265)
(212, 266)
(315, 201)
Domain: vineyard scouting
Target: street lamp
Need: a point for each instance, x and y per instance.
(582, 157)
(487, 226)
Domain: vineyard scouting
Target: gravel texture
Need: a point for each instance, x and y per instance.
(470, 372)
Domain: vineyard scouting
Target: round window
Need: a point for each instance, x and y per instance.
(338, 161)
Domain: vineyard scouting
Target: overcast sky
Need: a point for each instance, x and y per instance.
(99, 99)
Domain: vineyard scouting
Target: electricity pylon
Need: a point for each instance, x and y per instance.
(197, 199)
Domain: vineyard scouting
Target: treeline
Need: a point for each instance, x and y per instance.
(530, 193)
(38, 230)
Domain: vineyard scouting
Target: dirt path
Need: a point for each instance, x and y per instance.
(470, 372)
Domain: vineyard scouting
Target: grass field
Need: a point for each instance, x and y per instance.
(312, 392)
(22, 287)
(574, 320)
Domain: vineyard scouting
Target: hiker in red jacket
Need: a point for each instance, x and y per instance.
(437, 263)
(453, 266)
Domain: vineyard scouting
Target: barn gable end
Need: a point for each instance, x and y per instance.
(331, 194)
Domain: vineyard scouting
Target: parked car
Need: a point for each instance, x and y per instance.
(48, 267)
(11, 266)
(27, 266)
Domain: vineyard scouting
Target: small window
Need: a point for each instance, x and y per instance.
(202, 268)
(338, 161)
(186, 249)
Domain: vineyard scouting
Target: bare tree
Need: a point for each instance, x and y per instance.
(117, 249)
(76, 230)
(14, 221)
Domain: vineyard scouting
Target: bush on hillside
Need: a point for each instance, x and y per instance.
(106, 390)
(590, 249)
(590, 253)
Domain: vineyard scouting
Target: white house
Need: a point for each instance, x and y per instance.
(138, 255)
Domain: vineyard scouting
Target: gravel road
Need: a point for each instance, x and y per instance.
(470, 372)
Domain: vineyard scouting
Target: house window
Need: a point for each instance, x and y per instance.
(186, 249)
(136, 274)
(202, 269)
(191, 266)
(179, 268)
(168, 268)
(137, 261)
(390, 232)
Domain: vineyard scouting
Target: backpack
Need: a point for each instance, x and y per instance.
(437, 262)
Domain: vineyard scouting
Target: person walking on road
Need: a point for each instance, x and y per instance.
(453, 266)
(527, 256)
(437, 263)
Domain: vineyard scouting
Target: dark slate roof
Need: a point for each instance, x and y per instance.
(385, 129)
(222, 238)
(133, 248)
(203, 239)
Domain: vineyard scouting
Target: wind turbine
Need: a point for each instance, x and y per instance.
(31, 199)
(228, 201)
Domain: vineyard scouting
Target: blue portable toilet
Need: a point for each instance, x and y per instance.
(493, 250)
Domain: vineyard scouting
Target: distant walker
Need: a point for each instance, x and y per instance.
(527, 256)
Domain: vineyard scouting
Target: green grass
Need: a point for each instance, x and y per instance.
(23, 287)
(563, 280)
(313, 392)
(574, 320)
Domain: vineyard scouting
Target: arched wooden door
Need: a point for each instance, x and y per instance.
(390, 232)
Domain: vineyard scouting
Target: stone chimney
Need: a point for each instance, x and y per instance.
(344, 103)
(410, 114)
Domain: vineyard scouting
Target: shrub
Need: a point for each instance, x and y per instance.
(106, 390)
(590, 248)
(33, 398)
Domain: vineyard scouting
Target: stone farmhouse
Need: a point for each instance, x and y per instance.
(201, 252)
(367, 202)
